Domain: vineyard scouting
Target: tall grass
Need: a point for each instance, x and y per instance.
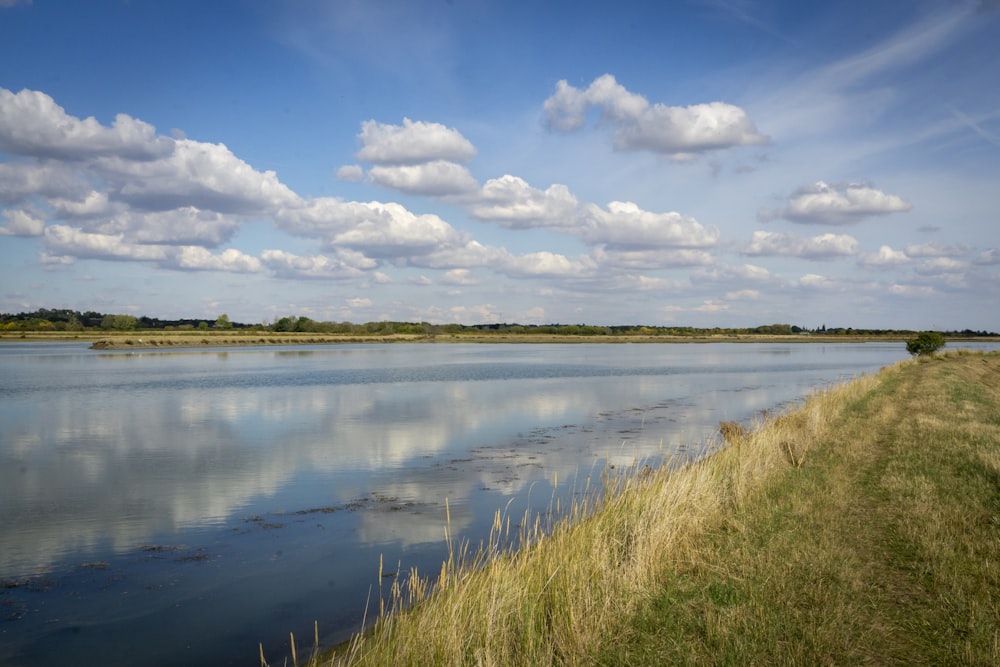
(674, 565)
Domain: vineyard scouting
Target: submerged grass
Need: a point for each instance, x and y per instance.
(861, 528)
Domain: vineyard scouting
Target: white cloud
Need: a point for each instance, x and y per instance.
(324, 216)
(66, 240)
(19, 222)
(711, 306)
(824, 246)
(885, 256)
(459, 277)
(941, 265)
(229, 260)
(935, 249)
(651, 259)
(675, 131)
(538, 264)
(988, 257)
(742, 295)
(21, 180)
(626, 226)
(514, 204)
(397, 232)
(95, 203)
(816, 281)
(32, 124)
(436, 178)
(181, 226)
(207, 176)
(350, 172)
(911, 290)
(413, 142)
(63, 241)
(735, 274)
(289, 265)
(836, 204)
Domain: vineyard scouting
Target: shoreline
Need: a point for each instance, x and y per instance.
(201, 339)
(871, 505)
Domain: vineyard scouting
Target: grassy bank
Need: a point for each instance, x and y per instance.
(862, 528)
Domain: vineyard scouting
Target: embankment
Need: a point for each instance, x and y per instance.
(861, 528)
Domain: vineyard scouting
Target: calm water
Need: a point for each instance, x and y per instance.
(177, 508)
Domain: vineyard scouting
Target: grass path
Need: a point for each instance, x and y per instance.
(883, 548)
(861, 528)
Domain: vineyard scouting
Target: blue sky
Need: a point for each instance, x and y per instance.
(702, 163)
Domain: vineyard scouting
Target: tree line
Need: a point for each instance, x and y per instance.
(46, 319)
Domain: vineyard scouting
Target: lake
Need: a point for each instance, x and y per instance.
(180, 507)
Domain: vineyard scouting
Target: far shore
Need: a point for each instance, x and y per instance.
(241, 338)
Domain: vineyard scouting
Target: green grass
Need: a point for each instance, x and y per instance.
(861, 528)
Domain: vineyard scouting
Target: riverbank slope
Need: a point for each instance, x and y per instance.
(863, 527)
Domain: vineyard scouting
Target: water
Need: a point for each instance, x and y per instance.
(177, 508)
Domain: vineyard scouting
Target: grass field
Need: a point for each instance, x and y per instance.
(861, 528)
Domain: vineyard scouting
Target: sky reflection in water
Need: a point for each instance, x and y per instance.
(235, 495)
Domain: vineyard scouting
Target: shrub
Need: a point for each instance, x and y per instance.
(926, 343)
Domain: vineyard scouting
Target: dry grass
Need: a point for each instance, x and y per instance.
(862, 528)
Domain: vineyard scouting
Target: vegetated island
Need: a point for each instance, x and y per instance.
(116, 331)
(862, 527)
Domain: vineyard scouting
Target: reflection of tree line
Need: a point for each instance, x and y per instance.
(71, 320)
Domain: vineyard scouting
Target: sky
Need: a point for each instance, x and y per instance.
(707, 163)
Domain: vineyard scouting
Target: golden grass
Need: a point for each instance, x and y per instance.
(860, 528)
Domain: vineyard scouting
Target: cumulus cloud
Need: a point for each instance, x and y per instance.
(652, 259)
(824, 246)
(396, 232)
(538, 264)
(911, 290)
(290, 265)
(32, 124)
(436, 178)
(73, 242)
(413, 142)
(885, 256)
(941, 265)
(180, 226)
(459, 277)
(19, 181)
(935, 249)
(63, 241)
(207, 176)
(514, 204)
(626, 226)
(200, 259)
(20, 222)
(836, 204)
(742, 295)
(816, 281)
(124, 192)
(989, 257)
(734, 274)
(350, 172)
(679, 132)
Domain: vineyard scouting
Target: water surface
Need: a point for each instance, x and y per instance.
(178, 507)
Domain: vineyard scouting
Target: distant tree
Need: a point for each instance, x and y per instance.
(203, 326)
(925, 343)
(222, 322)
(119, 322)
